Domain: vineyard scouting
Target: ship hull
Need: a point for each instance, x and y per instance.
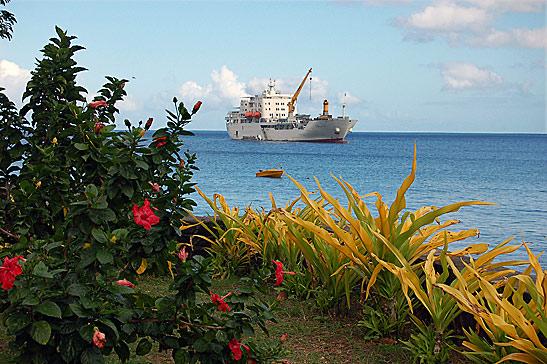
(327, 130)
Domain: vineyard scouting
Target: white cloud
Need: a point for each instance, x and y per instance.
(14, 79)
(502, 6)
(223, 89)
(129, 103)
(471, 22)
(465, 76)
(517, 37)
(448, 18)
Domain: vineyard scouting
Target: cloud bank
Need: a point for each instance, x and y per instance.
(14, 79)
(467, 76)
(225, 91)
(472, 23)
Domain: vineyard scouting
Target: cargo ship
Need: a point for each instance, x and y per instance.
(271, 116)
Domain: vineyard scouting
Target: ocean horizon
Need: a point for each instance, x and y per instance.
(507, 169)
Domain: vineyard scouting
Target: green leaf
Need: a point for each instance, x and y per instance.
(70, 346)
(31, 301)
(144, 347)
(123, 351)
(91, 191)
(77, 289)
(49, 308)
(40, 331)
(142, 164)
(200, 345)
(40, 270)
(127, 190)
(17, 321)
(111, 325)
(100, 236)
(81, 146)
(78, 309)
(104, 257)
(92, 356)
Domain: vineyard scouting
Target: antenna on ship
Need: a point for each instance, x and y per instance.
(344, 106)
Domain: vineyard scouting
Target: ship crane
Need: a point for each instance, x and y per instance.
(295, 96)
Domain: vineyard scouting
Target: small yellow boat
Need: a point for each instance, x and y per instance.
(271, 173)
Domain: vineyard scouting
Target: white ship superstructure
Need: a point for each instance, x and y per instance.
(271, 116)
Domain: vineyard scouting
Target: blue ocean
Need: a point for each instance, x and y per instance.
(508, 169)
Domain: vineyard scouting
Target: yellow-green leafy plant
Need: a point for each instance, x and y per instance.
(512, 312)
(229, 254)
(362, 238)
(431, 344)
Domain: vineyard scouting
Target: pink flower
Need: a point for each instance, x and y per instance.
(9, 270)
(99, 103)
(125, 282)
(99, 339)
(155, 186)
(98, 127)
(182, 254)
(222, 306)
(144, 215)
(279, 273)
(160, 143)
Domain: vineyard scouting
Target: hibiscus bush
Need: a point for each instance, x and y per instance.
(84, 210)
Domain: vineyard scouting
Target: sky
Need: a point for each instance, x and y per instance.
(400, 65)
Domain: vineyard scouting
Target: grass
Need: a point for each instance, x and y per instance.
(313, 337)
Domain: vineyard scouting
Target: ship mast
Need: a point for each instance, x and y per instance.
(344, 106)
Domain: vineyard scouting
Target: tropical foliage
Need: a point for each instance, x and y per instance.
(84, 211)
(336, 247)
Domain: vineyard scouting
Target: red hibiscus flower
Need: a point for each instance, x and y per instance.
(9, 270)
(279, 273)
(196, 107)
(144, 215)
(234, 347)
(160, 143)
(125, 282)
(222, 306)
(98, 127)
(99, 339)
(99, 103)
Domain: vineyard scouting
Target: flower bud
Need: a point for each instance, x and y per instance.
(284, 338)
(181, 163)
(142, 132)
(149, 123)
(196, 107)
